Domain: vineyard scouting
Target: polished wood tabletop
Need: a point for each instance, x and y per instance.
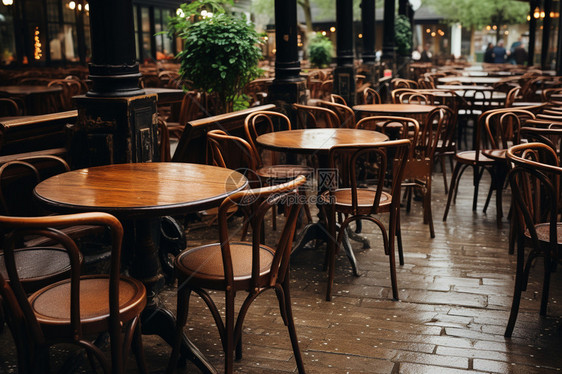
(395, 109)
(155, 189)
(29, 90)
(317, 140)
(470, 80)
(463, 87)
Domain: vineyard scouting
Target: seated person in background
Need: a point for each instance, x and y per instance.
(426, 55)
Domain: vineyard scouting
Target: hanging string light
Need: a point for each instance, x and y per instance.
(37, 53)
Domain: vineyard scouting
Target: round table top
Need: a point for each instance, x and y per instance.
(463, 87)
(395, 108)
(470, 80)
(148, 189)
(29, 90)
(317, 140)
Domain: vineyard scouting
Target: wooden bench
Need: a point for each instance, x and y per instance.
(35, 133)
(192, 146)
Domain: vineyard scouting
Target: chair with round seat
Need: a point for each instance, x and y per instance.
(235, 267)
(359, 199)
(489, 161)
(17, 180)
(534, 176)
(75, 310)
(262, 122)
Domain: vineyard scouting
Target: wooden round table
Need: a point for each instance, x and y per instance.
(487, 81)
(140, 190)
(139, 194)
(317, 140)
(394, 109)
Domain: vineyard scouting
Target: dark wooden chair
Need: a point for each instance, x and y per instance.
(75, 309)
(40, 265)
(345, 113)
(371, 96)
(311, 117)
(361, 199)
(232, 267)
(535, 183)
(479, 163)
(9, 108)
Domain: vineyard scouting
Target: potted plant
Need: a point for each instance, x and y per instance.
(320, 51)
(221, 51)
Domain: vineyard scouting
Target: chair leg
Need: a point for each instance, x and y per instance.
(332, 249)
(427, 209)
(138, 350)
(181, 319)
(398, 239)
(444, 171)
(291, 325)
(519, 280)
(452, 189)
(391, 255)
(229, 333)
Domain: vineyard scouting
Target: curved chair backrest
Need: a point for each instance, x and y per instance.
(393, 126)
(371, 96)
(255, 203)
(311, 117)
(502, 127)
(535, 181)
(18, 178)
(338, 99)
(415, 98)
(350, 161)
(9, 107)
(262, 122)
(222, 146)
(511, 96)
(22, 316)
(345, 113)
(551, 136)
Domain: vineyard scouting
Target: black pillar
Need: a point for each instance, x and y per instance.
(114, 70)
(117, 122)
(388, 46)
(368, 23)
(369, 68)
(287, 64)
(344, 74)
(546, 34)
(532, 32)
(288, 87)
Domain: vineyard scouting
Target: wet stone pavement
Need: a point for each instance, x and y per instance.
(455, 296)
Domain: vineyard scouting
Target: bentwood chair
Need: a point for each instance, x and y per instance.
(396, 128)
(41, 264)
(480, 162)
(371, 96)
(232, 267)
(262, 122)
(345, 113)
(363, 199)
(535, 182)
(311, 117)
(75, 310)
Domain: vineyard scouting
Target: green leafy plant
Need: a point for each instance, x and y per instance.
(320, 50)
(220, 54)
(403, 35)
